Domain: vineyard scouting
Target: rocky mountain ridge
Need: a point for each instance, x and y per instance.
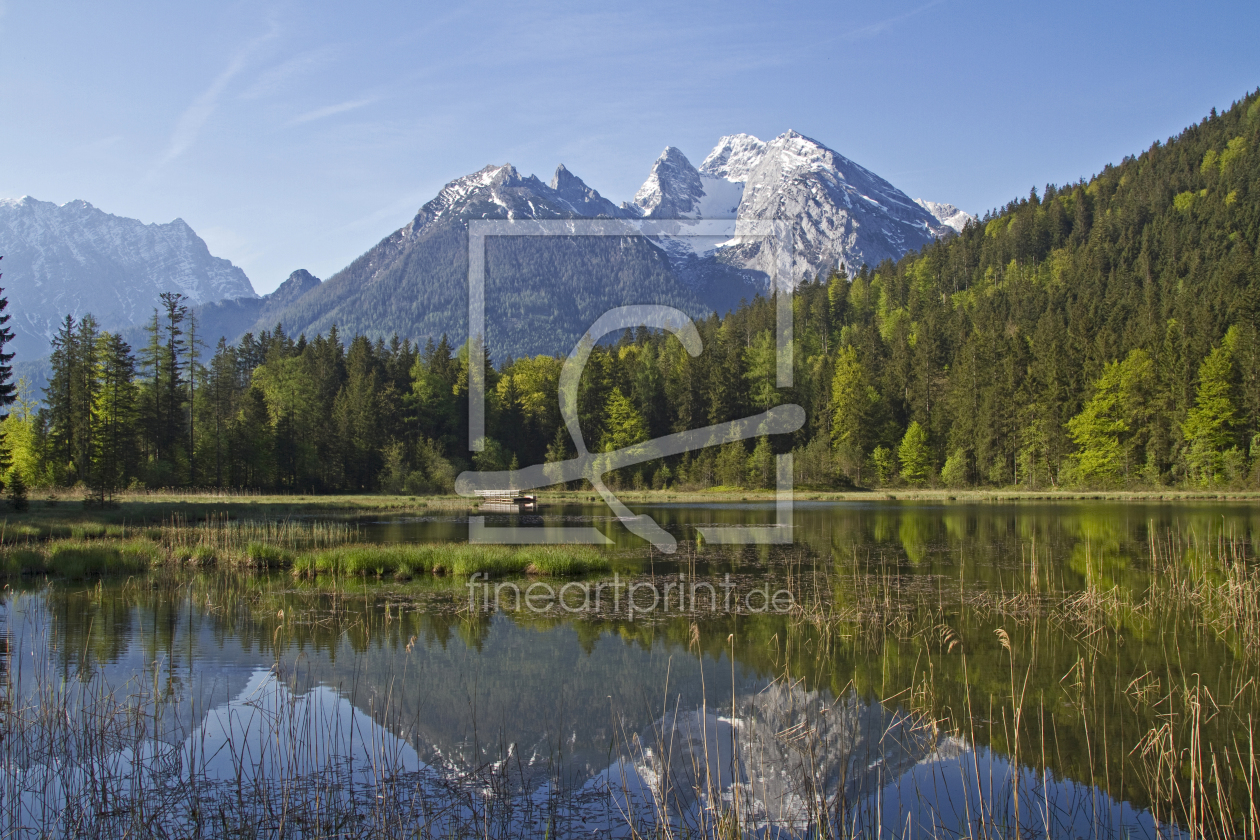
(76, 259)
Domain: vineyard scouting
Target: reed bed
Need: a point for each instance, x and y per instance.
(308, 549)
(23, 533)
(460, 560)
(1175, 735)
(1216, 577)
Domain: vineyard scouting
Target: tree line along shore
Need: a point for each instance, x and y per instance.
(1093, 336)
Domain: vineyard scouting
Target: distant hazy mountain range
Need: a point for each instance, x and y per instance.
(541, 294)
(75, 259)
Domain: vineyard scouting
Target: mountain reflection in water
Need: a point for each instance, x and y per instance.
(563, 733)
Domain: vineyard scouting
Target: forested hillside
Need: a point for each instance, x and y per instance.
(1102, 333)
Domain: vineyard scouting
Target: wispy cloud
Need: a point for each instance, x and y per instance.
(879, 27)
(330, 110)
(275, 79)
(194, 117)
(101, 144)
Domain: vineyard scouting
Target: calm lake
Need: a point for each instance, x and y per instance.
(928, 670)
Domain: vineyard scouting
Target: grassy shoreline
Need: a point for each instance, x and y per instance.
(320, 535)
(141, 551)
(164, 503)
(933, 495)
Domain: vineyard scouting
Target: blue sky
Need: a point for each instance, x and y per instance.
(297, 135)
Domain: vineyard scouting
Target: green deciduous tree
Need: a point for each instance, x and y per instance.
(885, 466)
(623, 426)
(1113, 428)
(1210, 429)
(915, 455)
(852, 399)
(954, 472)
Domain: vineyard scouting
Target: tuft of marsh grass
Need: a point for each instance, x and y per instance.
(80, 559)
(11, 532)
(562, 561)
(264, 556)
(21, 561)
(203, 555)
(405, 561)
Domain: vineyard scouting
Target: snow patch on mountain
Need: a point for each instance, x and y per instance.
(733, 158)
(721, 198)
(499, 192)
(946, 214)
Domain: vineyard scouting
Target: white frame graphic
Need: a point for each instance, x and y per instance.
(592, 466)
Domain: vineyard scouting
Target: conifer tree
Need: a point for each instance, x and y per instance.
(7, 389)
(219, 397)
(113, 417)
(70, 395)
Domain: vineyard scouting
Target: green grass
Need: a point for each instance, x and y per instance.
(405, 561)
(254, 534)
(266, 556)
(21, 561)
(12, 532)
(563, 560)
(81, 559)
(203, 555)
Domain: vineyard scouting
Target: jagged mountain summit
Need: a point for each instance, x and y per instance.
(673, 189)
(75, 259)
(839, 212)
(733, 158)
(947, 214)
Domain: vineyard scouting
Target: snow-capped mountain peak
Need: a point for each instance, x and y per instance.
(840, 213)
(843, 213)
(582, 200)
(947, 214)
(672, 190)
(500, 192)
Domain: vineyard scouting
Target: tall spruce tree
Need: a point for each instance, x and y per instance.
(8, 392)
(70, 395)
(113, 418)
(164, 394)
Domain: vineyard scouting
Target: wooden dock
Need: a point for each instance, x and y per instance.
(506, 500)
